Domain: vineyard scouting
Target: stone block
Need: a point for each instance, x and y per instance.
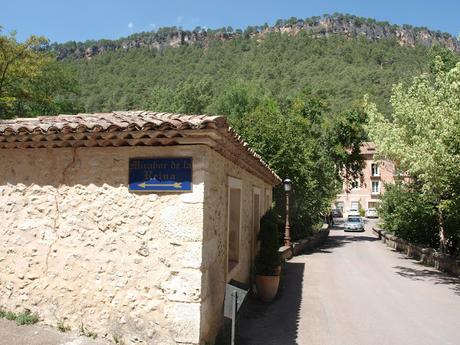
(184, 321)
(183, 286)
(191, 255)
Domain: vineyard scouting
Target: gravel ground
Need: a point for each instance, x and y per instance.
(12, 334)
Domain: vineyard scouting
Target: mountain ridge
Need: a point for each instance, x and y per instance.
(327, 25)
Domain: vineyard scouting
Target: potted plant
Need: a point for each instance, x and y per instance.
(268, 260)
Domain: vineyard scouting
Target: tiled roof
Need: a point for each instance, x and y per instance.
(131, 128)
(116, 121)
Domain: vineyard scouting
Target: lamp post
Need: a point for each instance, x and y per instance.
(287, 184)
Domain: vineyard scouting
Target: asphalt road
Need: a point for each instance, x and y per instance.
(357, 291)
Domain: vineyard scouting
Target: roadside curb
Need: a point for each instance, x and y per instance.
(427, 256)
(306, 244)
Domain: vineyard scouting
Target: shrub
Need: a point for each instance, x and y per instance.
(9, 315)
(62, 327)
(407, 214)
(26, 318)
(268, 259)
(86, 332)
(118, 340)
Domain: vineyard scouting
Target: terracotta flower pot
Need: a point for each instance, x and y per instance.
(267, 287)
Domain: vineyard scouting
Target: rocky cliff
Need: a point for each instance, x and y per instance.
(346, 25)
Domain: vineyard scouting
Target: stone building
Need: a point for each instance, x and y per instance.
(129, 224)
(366, 191)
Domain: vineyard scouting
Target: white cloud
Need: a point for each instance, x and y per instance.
(130, 25)
(179, 19)
(153, 25)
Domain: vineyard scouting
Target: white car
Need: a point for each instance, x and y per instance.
(354, 223)
(371, 213)
(353, 212)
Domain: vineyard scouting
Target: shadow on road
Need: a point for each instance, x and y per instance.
(430, 275)
(276, 322)
(337, 241)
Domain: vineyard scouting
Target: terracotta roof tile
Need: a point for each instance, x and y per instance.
(128, 121)
(116, 121)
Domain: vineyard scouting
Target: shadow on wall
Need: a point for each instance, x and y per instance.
(273, 323)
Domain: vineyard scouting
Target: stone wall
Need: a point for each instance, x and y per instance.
(310, 243)
(76, 246)
(427, 256)
(215, 275)
(305, 245)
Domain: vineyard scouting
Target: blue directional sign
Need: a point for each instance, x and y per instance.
(160, 174)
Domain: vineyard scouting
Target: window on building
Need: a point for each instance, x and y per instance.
(267, 200)
(375, 187)
(354, 184)
(375, 170)
(256, 214)
(372, 204)
(234, 221)
(339, 205)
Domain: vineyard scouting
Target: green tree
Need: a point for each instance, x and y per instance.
(192, 96)
(300, 140)
(344, 134)
(31, 82)
(55, 91)
(423, 135)
(408, 214)
(449, 59)
(20, 64)
(160, 98)
(238, 100)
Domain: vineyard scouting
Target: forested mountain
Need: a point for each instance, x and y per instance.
(280, 65)
(340, 57)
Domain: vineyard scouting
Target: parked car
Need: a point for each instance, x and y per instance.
(353, 212)
(337, 213)
(371, 213)
(354, 223)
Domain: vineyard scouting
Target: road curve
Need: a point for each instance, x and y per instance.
(356, 291)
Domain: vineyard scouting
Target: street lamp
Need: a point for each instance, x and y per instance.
(287, 184)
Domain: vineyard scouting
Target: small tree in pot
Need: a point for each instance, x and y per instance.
(268, 260)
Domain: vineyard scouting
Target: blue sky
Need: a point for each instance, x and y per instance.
(64, 20)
